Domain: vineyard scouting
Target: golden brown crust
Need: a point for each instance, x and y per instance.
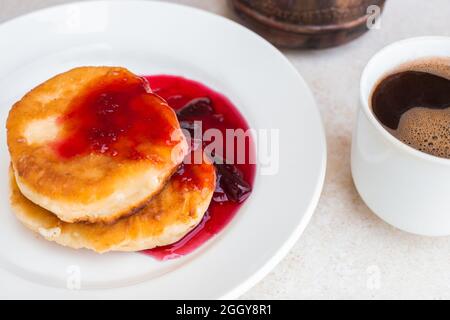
(91, 187)
(167, 218)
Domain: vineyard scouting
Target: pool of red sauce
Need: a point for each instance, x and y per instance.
(178, 92)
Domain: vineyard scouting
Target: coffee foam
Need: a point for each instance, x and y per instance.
(427, 130)
(439, 66)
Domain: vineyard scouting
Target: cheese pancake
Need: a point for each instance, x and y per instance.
(93, 144)
(168, 217)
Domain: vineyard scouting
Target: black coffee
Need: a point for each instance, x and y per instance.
(414, 106)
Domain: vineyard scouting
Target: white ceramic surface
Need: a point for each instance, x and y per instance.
(149, 38)
(405, 187)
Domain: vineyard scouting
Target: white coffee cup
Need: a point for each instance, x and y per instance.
(405, 187)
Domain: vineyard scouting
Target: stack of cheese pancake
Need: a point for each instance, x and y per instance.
(97, 163)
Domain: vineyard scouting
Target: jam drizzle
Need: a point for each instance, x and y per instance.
(118, 117)
(195, 102)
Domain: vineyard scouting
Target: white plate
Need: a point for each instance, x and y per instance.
(152, 38)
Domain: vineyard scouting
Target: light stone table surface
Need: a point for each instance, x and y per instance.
(346, 252)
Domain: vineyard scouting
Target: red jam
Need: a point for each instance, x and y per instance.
(194, 101)
(117, 117)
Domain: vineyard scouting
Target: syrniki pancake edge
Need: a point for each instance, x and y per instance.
(90, 186)
(168, 217)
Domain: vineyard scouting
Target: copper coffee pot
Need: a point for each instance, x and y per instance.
(307, 23)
